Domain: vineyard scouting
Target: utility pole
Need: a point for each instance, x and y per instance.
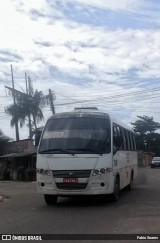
(51, 101)
(29, 116)
(14, 102)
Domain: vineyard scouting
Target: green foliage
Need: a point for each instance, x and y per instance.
(27, 105)
(146, 137)
(145, 125)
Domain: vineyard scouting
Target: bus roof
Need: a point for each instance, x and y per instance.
(122, 124)
(90, 112)
(81, 113)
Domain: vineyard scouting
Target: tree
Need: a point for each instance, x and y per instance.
(27, 106)
(145, 125)
(3, 142)
(146, 138)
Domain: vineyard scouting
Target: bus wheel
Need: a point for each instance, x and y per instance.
(115, 195)
(50, 199)
(130, 186)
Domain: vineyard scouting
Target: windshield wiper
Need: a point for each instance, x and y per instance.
(52, 151)
(86, 150)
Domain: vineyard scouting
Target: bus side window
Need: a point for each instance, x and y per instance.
(133, 141)
(120, 134)
(117, 138)
(114, 135)
(128, 140)
(124, 139)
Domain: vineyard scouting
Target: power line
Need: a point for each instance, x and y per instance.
(117, 96)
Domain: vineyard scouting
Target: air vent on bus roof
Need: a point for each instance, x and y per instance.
(86, 108)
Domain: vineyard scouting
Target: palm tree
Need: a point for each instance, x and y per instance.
(31, 107)
(27, 106)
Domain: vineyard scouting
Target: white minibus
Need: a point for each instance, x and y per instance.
(85, 152)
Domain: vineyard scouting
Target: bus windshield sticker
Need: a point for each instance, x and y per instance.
(53, 134)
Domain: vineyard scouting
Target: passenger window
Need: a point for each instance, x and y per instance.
(117, 138)
(131, 141)
(134, 142)
(120, 132)
(128, 147)
(126, 138)
(114, 135)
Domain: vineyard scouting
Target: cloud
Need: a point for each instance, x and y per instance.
(83, 63)
(75, 48)
(114, 5)
(43, 43)
(9, 56)
(44, 9)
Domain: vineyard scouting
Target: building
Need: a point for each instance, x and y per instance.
(145, 158)
(19, 162)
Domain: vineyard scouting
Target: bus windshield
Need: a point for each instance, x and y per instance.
(76, 135)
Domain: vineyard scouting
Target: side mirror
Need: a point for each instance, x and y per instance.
(38, 136)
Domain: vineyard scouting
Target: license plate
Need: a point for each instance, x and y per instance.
(70, 180)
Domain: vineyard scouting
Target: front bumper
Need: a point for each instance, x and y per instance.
(95, 185)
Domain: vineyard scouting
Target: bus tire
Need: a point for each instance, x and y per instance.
(130, 186)
(50, 199)
(115, 195)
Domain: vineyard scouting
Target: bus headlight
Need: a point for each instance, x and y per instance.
(47, 172)
(101, 171)
(43, 172)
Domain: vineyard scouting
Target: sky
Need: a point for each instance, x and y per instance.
(88, 52)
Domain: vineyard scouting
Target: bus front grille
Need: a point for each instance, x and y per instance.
(71, 186)
(63, 174)
(71, 173)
